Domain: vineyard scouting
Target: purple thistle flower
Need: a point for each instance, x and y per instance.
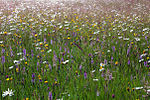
(50, 96)
(85, 75)
(3, 59)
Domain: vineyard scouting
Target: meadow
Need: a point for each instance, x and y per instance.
(75, 50)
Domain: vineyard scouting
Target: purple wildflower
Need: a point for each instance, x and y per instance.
(112, 58)
(110, 77)
(44, 40)
(37, 63)
(128, 62)
(105, 61)
(51, 42)
(24, 52)
(113, 96)
(85, 75)
(62, 59)
(113, 48)
(50, 67)
(50, 96)
(145, 63)
(92, 61)
(90, 55)
(3, 50)
(3, 59)
(128, 51)
(80, 67)
(11, 53)
(33, 75)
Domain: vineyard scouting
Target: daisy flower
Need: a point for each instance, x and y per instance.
(9, 92)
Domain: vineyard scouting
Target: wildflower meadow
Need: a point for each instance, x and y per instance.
(74, 49)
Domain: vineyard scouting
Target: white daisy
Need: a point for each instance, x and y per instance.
(138, 88)
(11, 67)
(20, 53)
(65, 62)
(95, 79)
(93, 71)
(50, 50)
(9, 92)
(1, 41)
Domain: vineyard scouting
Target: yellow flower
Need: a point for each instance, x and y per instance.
(26, 63)
(39, 76)
(5, 32)
(38, 40)
(68, 38)
(42, 50)
(71, 43)
(35, 35)
(55, 82)
(46, 45)
(76, 72)
(7, 79)
(27, 98)
(41, 44)
(147, 58)
(2, 45)
(46, 82)
(116, 62)
(135, 34)
(102, 52)
(11, 79)
(132, 42)
(17, 69)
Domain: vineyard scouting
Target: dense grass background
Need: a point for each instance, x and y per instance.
(58, 50)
